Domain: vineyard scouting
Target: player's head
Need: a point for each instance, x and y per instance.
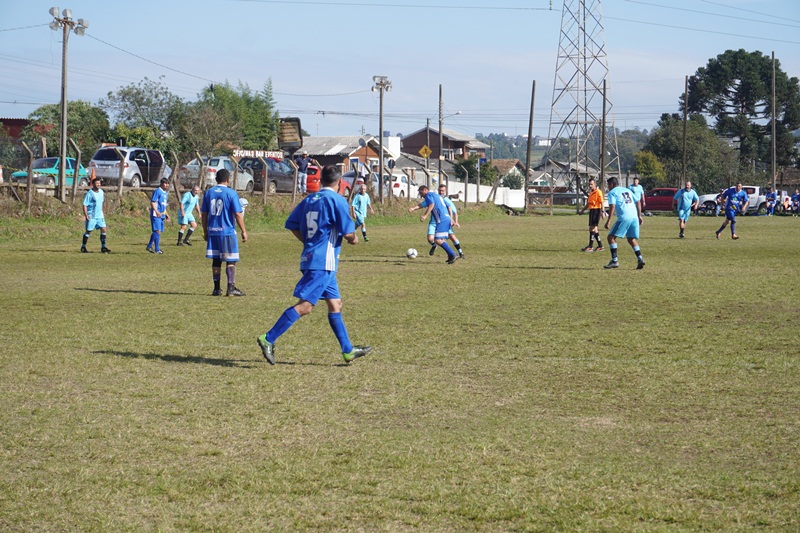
(442, 189)
(163, 183)
(688, 185)
(592, 184)
(769, 188)
(362, 189)
(636, 180)
(223, 176)
(423, 190)
(97, 183)
(330, 176)
(195, 190)
(738, 186)
(612, 182)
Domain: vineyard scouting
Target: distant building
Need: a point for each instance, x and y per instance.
(454, 145)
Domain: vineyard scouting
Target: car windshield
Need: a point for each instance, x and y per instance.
(108, 154)
(47, 162)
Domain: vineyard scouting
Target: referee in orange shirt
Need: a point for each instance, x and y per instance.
(595, 206)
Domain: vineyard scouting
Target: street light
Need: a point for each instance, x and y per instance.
(382, 83)
(79, 27)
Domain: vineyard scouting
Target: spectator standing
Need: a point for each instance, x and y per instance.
(629, 216)
(158, 215)
(93, 215)
(221, 213)
(736, 201)
(320, 221)
(685, 200)
(595, 205)
(302, 163)
(189, 204)
(638, 194)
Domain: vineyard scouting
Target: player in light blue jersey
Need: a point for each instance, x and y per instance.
(638, 194)
(358, 209)
(158, 214)
(189, 203)
(685, 200)
(622, 202)
(440, 219)
(320, 221)
(93, 215)
(221, 213)
(442, 190)
(736, 201)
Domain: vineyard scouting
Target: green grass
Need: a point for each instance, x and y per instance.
(524, 388)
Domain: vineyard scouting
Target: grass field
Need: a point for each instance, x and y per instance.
(522, 389)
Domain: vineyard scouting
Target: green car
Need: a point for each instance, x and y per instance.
(45, 172)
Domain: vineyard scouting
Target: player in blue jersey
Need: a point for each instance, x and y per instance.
(320, 222)
(93, 215)
(736, 201)
(795, 203)
(772, 200)
(358, 209)
(441, 221)
(158, 214)
(221, 213)
(622, 202)
(189, 203)
(685, 200)
(638, 194)
(442, 191)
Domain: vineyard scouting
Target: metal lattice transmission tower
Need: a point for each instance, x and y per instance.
(579, 103)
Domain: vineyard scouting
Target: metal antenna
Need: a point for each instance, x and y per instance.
(581, 104)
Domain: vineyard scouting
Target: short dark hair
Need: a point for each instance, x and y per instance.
(97, 179)
(164, 180)
(612, 182)
(223, 175)
(330, 175)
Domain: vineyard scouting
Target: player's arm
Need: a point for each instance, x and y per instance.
(414, 208)
(427, 212)
(351, 238)
(240, 223)
(154, 205)
(204, 223)
(611, 208)
(298, 234)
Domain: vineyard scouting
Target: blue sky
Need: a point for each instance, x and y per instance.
(321, 55)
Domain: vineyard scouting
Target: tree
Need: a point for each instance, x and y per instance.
(147, 104)
(649, 168)
(87, 125)
(735, 88)
(209, 130)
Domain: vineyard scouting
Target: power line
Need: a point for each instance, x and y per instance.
(747, 10)
(704, 30)
(404, 6)
(686, 10)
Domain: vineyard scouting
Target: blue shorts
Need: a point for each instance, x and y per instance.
(432, 229)
(188, 219)
(360, 220)
(683, 214)
(95, 223)
(730, 214)
(157, 224)
(441, 229)
(316, 285)
(628, 227)
(223, 247)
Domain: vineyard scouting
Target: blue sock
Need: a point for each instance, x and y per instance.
(733, 228)
(157, 240)
(339, 329)
(446, 248)
(289, 317)
(613, 251)
(152, 238)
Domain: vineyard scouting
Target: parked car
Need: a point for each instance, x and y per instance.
(45, 172)
(190, 172)
(757, 203)
(659, 199)
(399, 186)
(280, 175)
(312, 181)
(354, 181)
(143, 166)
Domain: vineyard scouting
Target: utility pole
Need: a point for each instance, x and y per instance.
(441, 138)
(382, 84)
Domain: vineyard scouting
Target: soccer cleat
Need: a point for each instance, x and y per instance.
(84, 250)
(105, 250)
(180, 243)
(451, 259)
(366, 239)
(217, 292)
(158, 252)
(734, 236)
(588, 249)
(599, 248)
(150, 250)
(716, 233)
(233, 291)
(187, 242)
(355, 353)
(680, 236)
(640, 264)
(268, 349)
(433, 249)
(461, 255)
(612, 264)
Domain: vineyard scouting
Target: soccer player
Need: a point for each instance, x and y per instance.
(595, 205)
(158, 214)
(796, 203)
(189, 203)
(736, 201)
(638, 194)
(454, 214)
(772, 200)
(623, 202)
(441, 221)
(685, 200)
(320, 221)
(220, 211)
(358, 209)
(93, 215)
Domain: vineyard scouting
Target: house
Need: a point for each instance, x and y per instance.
(14, 126)
(346, 151)
(509, 167)
(454, 145)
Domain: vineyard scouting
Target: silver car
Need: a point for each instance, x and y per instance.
(189, 173)
(142, 166)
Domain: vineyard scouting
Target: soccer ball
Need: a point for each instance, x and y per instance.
(411, 253)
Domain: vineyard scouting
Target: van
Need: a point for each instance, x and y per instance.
(142, 166)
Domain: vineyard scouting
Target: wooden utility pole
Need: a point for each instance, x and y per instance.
(528, 153)
(685, 123)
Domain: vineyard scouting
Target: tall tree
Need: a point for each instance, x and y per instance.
(649, 169)
(735, 88)
(87, 125)
(147, 104)
(254, 112)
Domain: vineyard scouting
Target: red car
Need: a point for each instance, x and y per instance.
(659, 199)
(312, 181)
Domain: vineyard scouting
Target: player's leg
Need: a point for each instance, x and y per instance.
(724, 224)
(634, 242)
(216, 272)
(181, 232)
(456, 243)
(431, 239)
(86, 235)
(612, 245)
(440, 238)
(103, 248)
(229, 252)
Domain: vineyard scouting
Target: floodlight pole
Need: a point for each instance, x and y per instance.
(66, 23)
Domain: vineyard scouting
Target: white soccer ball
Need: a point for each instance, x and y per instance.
(411, 253)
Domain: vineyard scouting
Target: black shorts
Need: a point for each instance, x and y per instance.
(594, 217)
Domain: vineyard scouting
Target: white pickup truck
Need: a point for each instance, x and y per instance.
(757, 204)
